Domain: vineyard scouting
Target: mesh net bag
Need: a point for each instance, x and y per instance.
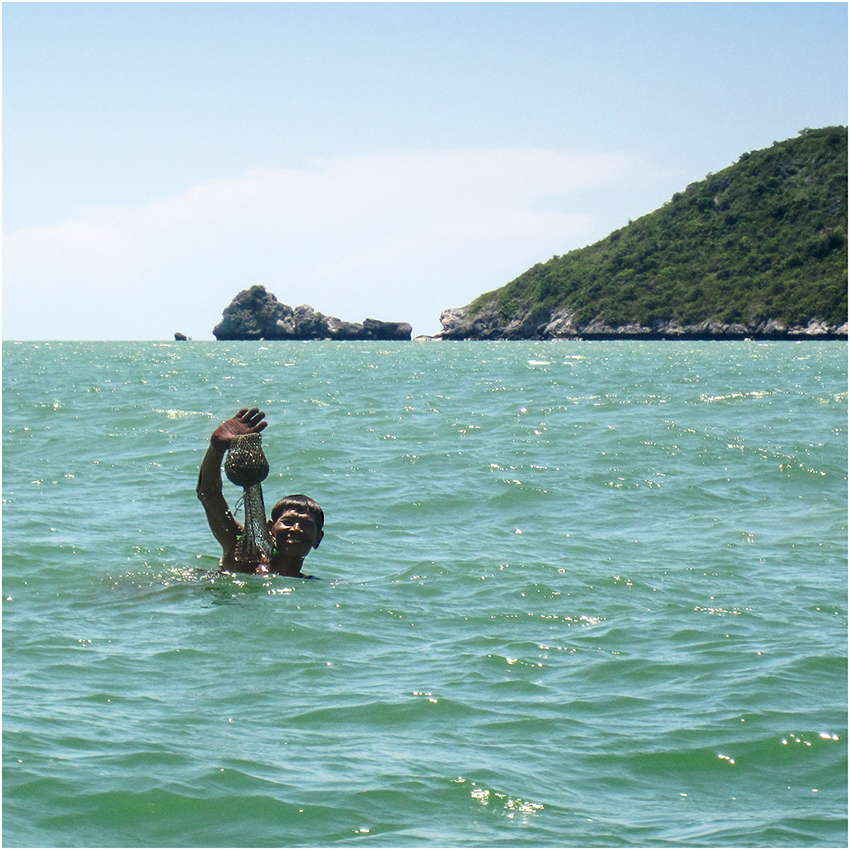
(246, 462)
(246, 466)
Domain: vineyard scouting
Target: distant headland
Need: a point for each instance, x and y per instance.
(757, 251)
(255, 314)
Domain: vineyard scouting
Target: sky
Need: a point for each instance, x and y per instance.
(372, 160)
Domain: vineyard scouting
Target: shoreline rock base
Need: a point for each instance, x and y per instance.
(542, 324)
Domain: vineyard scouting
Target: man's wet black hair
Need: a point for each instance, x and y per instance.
(299, 502)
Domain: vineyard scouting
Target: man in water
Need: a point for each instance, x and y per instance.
(296, 521)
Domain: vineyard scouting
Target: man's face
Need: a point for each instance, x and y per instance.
(296, 531)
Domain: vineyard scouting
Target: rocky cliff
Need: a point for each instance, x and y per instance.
(256, 314)
(561, 323)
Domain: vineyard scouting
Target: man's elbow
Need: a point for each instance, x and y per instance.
(203, 489)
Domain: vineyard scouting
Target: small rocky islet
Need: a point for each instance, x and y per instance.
(255, 314)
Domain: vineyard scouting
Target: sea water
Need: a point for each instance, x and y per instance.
(572, 594)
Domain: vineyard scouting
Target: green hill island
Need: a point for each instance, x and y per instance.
(758, 250)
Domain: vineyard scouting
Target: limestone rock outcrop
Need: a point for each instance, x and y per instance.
(256, 314)
(540, 323)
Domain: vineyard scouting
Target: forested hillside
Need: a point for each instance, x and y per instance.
(759, 248)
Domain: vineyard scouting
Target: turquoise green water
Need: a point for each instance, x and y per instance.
(574, 594)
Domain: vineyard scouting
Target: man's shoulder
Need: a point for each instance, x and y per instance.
(231, 565)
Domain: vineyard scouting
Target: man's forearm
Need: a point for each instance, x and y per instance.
(222, 524)
(209, 478)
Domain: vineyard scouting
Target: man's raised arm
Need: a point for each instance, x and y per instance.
(222, 524)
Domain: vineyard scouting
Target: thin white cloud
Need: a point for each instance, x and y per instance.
(393, 236)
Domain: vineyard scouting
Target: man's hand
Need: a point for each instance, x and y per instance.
(245, 422)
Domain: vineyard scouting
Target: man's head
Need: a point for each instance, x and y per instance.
(297, 519)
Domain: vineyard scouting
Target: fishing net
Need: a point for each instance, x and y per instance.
(246, 466)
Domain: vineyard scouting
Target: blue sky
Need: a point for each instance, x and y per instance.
(380, 160)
